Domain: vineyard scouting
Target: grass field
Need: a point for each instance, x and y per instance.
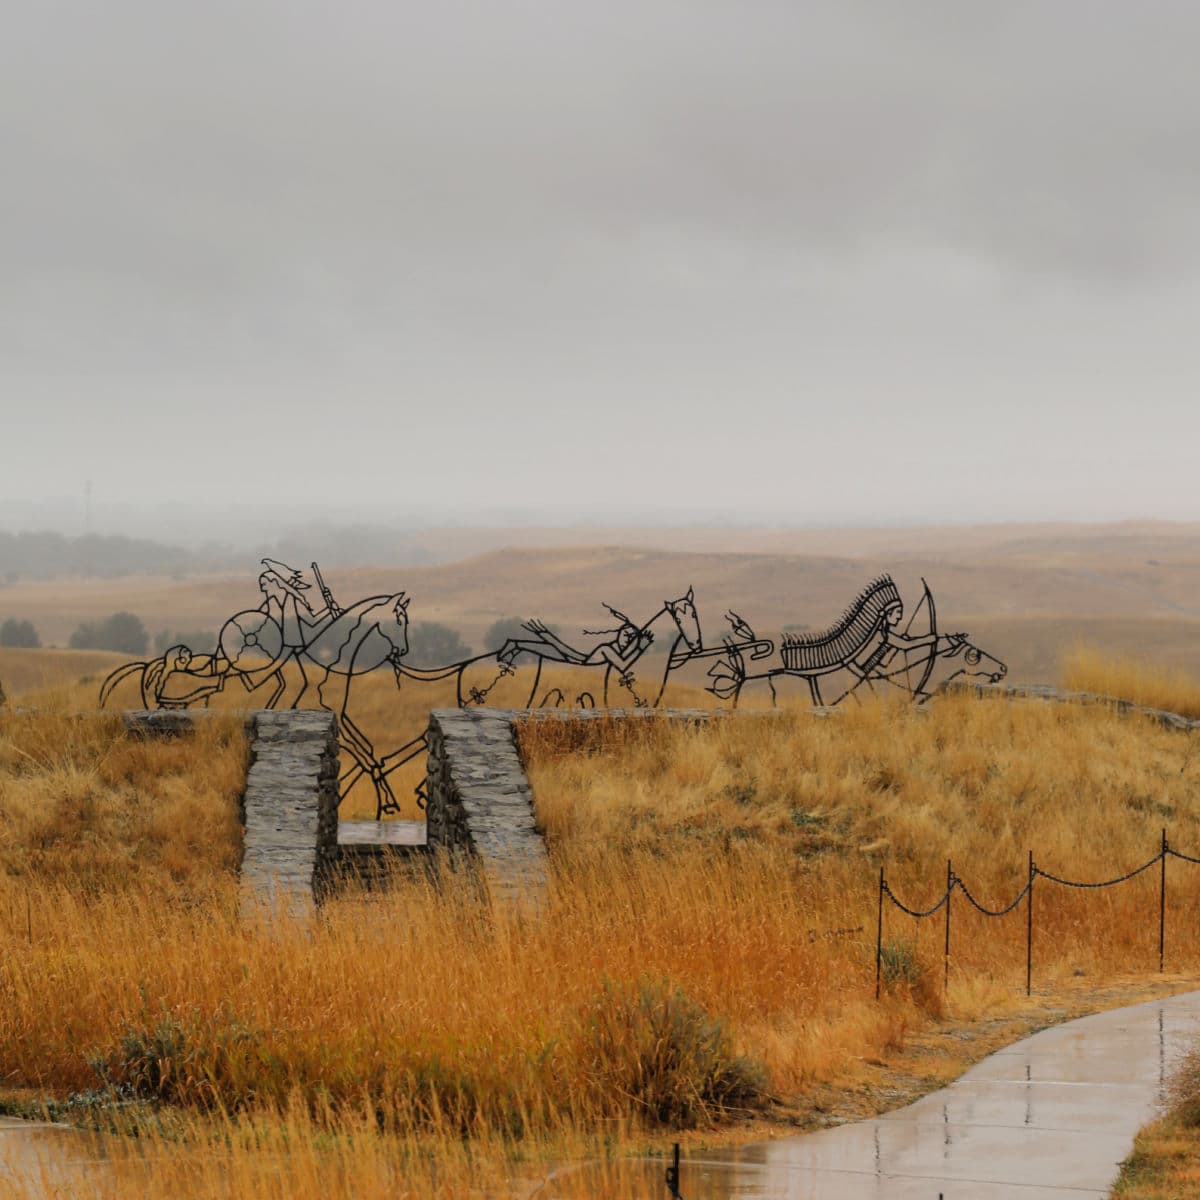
(705, 954)
(23, 672)
(390, 715)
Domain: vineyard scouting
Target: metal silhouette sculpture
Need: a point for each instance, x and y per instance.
(627, 676)
(291, 639)
(864, 648)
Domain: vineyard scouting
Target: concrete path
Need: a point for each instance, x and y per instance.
(1049, 1118)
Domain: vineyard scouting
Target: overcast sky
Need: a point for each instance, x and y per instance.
(818, 261)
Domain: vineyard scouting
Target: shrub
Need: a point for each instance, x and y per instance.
(899, 964)
(1183, 1090)
(900, 968)
(209, 1063)
(651, 1045)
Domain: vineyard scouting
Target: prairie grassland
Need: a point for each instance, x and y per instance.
(23, 671)
(705, 951)
(389, 714)
(819, 805)
(1087, 669)
(87, 806)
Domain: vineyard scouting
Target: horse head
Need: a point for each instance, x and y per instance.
(687, 621)
(396, 631)
(970, 661)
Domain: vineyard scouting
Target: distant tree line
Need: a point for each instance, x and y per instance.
(122, 632)
(51, 555)
(19, 633)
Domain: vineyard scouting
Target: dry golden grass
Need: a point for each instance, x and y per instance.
(24, 671)
(1087, 669)
(389, 715)
(85, 805)
(717, 876)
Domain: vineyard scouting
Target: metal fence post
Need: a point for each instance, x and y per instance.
(1162, 901)
(1029, 930)
(673, 1175)
(879, 938)
(946, 948)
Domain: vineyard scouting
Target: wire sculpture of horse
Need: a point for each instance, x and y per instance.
(628, 673)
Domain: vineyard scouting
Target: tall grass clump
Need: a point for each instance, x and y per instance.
(651, 1044)
(1086, 669)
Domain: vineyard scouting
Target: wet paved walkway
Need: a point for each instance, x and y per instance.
(1049, 1118)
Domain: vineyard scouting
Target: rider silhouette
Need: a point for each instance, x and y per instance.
(283, 601)
(629, 643)
(873, 659)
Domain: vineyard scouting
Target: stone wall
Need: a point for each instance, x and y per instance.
(478, 801)
(1168, 720)
(290, 807)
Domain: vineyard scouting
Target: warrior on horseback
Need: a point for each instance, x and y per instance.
(865, 647)
(864, 641)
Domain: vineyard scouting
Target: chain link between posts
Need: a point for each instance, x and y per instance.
(954, 881)
(991, 912)
(913, 912)
(1073, 883)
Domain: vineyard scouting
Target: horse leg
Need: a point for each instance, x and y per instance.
(303, 680)
(537, 676)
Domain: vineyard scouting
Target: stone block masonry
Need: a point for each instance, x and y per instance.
(478, 801)
(290, 808)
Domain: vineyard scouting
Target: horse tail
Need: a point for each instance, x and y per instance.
(115, 677)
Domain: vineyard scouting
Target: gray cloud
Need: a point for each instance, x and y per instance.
(640, 252)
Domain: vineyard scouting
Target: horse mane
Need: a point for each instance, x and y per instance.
(847, 635)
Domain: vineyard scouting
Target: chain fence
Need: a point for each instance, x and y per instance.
(955, 884)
